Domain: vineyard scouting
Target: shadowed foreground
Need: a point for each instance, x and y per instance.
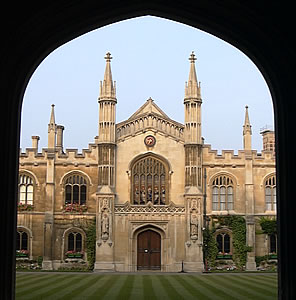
(144, 286)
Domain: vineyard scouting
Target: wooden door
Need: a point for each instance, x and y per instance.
(149, 250)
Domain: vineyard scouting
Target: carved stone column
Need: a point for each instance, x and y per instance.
(193, 247)
(104, 240)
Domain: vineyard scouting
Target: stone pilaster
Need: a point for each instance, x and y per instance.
(105, 237)
(48, 216)
(193, 246)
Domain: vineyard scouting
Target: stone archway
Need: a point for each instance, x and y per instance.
(148, 249)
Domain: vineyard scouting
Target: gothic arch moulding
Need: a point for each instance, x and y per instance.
(267, 176)
(136, 229)
(149, 153)
(223, 173)
(75, 172)
(31, 174)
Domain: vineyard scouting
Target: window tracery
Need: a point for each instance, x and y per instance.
(222, 193)
(270, 193)
(75, 189)
(26, 189)
(22, 240)
(149, 181)
(223, 240)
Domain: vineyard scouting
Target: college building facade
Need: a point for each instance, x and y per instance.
(149, 184)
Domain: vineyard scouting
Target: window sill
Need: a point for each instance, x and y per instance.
(222, 212)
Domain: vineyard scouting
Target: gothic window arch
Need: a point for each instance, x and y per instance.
(75, 189)
(272, 244)
(22, 240)
(149, 181)
(25, 189)
(222, 193)
(270, 193)
(224, 242)
(74, 243)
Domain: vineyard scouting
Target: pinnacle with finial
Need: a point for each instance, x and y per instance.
(108, 57)
(192, 57)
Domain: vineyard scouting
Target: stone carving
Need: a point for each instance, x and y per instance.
(105, 226)
(194, 227)
(193, 219)
(104, 220)
(127, 208)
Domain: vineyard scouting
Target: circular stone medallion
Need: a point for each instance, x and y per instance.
(149, 140)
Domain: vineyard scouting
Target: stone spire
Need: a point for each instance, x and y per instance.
(108, 86)
(192, 87)
(192, 103)
(52, 130)
(247, 131)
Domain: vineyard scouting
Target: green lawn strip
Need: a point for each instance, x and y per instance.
(148, 288)
(254, 288)
(119, 287)
(263, 280)
(28, 280)
(138, 289)
(171, 292)
(79, 288)
(107, 283)
(183, 283)
(159, 290)
(125, 291)
(54, 288)
(263, 285)
(93, 287)
(210, 285)
(39, 284)
(239, 290)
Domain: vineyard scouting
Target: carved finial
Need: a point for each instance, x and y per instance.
(192, 57)
(108, 57)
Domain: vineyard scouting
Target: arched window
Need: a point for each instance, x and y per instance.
(149, 179)
(75, 242)
(222, 193)
(26, 189)
(74, 245)
(75, 189)
(22, 241)
(270, 193)
(224, 246)
(272, 244)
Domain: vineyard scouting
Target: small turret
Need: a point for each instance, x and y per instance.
(107, 105)
(192, 102)
(52, 130)
(108, 86)
(247, 131)
(192, 87)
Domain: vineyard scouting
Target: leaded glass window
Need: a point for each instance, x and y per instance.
(21, 240)
(270, 193)
(222, 193)
(75, 189)
(149, 181)
(26, 189)
(75, 242)
(223, 241)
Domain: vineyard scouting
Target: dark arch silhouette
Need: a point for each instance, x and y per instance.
(263, 30)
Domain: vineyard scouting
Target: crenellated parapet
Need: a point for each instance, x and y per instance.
(70, 156)
(229, 158)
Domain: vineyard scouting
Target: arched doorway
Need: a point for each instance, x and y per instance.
(149, 250)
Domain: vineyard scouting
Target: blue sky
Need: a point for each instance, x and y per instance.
(150, 59)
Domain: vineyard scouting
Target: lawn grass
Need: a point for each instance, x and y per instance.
(145, 286)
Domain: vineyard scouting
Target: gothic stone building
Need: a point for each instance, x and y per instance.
(143, 183)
